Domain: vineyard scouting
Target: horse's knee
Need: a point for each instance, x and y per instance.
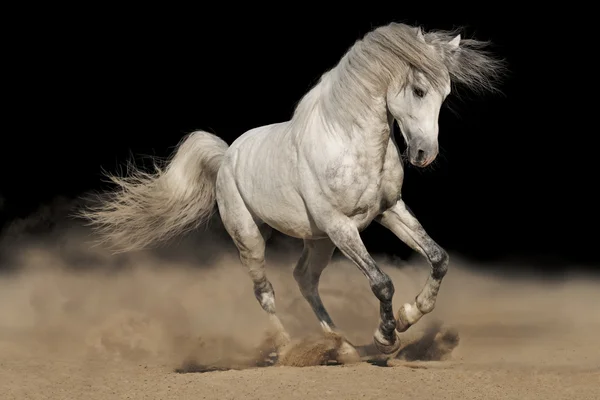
(439, 260)
(383, 288)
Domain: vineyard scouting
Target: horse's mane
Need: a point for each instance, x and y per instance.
(390, 52)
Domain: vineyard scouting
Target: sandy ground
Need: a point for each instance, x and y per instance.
(76, 323)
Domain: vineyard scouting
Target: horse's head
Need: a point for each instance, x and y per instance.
(415, 103)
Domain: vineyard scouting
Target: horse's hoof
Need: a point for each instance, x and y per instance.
(407, 315)
(384, 346)
(402, 323)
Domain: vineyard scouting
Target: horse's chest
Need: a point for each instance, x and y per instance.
(392, 177)
(362, 189)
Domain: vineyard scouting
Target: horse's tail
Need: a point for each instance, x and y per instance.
(147, 208)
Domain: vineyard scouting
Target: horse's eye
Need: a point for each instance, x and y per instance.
(418, 92)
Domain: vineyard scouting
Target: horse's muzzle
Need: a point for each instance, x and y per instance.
(421, 157)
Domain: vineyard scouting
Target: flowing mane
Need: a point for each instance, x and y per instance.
(346, 92)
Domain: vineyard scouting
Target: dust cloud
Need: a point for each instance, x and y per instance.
(190, 306)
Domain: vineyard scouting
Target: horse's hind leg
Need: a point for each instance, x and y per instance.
(251, 245)
(315, 257)
(407, 228)
(250, 241)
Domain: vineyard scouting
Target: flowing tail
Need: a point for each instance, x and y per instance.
(147, 208)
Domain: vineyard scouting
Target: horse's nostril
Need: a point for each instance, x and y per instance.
(420, 155)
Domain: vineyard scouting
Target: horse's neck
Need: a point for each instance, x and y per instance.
(373, 131)
(366, 129)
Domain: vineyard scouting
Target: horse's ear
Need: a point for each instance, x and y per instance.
(454, 43)
(420, 35)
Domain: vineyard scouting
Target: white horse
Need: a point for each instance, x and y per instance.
(322, 176)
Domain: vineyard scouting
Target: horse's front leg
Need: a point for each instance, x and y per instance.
(344, 234)
(400, 220)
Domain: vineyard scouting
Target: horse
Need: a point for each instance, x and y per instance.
(323, 176)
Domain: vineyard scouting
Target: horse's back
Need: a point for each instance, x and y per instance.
(258, 151)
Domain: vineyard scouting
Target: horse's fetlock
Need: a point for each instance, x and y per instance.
(425, 305)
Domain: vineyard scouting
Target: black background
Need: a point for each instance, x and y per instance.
(87, 88)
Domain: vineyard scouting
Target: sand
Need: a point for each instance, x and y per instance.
(78, 323)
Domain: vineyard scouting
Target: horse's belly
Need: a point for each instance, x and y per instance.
(272, 199)
(288, 216)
